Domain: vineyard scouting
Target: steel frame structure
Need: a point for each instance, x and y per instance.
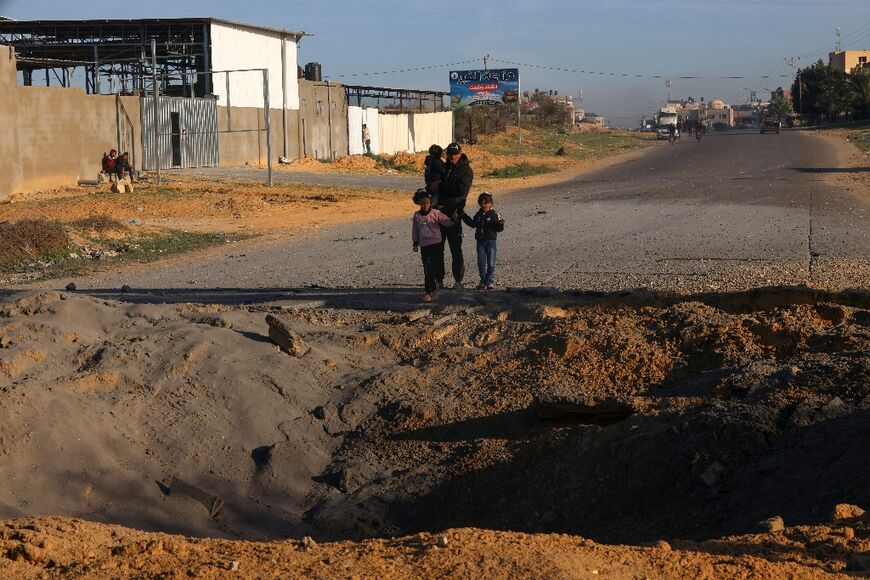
(395, 100)
(109, 49)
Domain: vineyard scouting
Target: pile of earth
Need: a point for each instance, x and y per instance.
(627, 418)
(64, 548)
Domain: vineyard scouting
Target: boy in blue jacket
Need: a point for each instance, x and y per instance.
(487, 223)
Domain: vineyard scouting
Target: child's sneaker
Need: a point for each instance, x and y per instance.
(481, 286)
(490, 286)
(458, 285)
(427, 298)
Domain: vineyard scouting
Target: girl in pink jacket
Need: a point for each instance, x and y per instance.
(426, 235)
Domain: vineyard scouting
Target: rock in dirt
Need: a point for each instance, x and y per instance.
(713, 474)
(125, 288)
(442, 542)
(663, 546)
(845, 512)
(308, 542)
(772, 525)
(5, 341)
(414, 315)
(285, 337)
(212, 503)
(71, 286)
(848, 533)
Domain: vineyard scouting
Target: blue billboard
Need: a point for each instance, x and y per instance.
(484, 87)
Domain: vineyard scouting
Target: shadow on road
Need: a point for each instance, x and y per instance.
(832, 169)
(407, 298)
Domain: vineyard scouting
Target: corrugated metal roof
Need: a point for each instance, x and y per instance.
(116, 21)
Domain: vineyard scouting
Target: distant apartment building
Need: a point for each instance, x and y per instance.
(594, 119)
(846, 60)
(717, 113)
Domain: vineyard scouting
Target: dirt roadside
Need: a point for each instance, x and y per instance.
(198, 204)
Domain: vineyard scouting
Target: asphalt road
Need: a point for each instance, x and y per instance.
(734, 211)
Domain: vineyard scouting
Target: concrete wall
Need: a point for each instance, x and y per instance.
(246, 146)
(322, 114)
(239, 48)
(356, 117)
(54, 136)
(392, 133)
(323, 125)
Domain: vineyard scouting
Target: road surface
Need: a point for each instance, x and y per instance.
(734, 211)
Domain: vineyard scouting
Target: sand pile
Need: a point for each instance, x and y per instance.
(621, 419)
(357, 164)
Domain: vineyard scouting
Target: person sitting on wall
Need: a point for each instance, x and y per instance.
(123, 164)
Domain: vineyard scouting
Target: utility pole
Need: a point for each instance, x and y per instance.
(486, 57)
(791, 62)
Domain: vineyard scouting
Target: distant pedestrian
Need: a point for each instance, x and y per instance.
(487, 224)
(434, 172)
(453, 193)
(426, 238)
(367, 139)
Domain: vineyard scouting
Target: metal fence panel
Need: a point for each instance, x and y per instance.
(196, 135)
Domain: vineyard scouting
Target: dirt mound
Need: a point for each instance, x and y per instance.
(304, 163)
(414, 160)
(662, 419)
(58, 547)
(357, 164)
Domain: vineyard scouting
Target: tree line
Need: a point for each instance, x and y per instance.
(821, 93)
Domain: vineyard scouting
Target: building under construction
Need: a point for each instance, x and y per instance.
(188, 92)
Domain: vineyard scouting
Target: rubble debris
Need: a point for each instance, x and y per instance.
(713, 474)
(286, 338)
(212, 503)
(772, 525)
(844, 512)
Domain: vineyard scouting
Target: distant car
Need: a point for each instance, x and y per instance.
(719, 126)
(770, 125)
(746, 124)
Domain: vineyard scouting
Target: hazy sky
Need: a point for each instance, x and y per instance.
(671, 38)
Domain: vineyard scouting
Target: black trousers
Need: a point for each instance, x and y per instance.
(433, 262)
(452, 236)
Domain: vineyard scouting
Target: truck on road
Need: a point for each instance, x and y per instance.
(770, 122)
(665, 118)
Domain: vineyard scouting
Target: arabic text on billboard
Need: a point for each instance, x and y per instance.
(484, 87)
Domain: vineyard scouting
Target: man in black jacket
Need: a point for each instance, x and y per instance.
(453, 192)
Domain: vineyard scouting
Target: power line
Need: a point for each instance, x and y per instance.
(403, 70)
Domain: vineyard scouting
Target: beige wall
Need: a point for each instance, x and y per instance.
(246, 145)
(322, 106)
(54, 136)
(310, 138)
